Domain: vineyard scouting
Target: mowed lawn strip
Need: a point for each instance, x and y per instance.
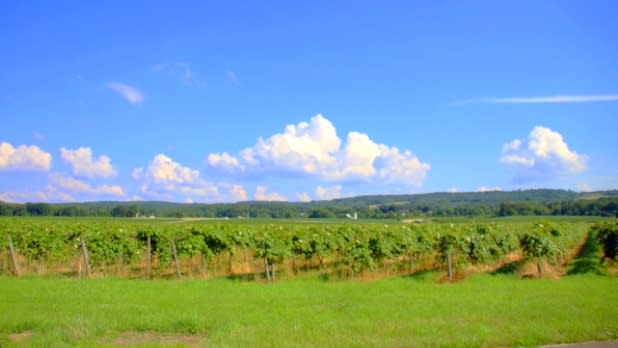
(483, 310)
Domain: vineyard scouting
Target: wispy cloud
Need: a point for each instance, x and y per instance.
(555, 99)
(180, 71)
(232, 77)
(50, 194)
(71, 184)
(38, 135)
(130, 93)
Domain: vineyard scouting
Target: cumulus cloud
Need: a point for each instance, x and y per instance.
(303, 197)
(400, 167)
(129, 93)
(238, 193)
(313, 148)
(73, 185)
(358, 155)
(328, 193)
(584, 187)
(163, 169)
(262, 195)
(164, 177)
(544, 154)
(83, 164)
(23, 158)
(224, 162)
(489, 189)
(452, 190)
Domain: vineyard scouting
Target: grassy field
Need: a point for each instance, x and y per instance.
(482, 310)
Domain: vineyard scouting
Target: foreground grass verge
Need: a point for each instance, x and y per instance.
(483, 310)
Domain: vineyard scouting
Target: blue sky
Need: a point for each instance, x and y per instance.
(221, 102)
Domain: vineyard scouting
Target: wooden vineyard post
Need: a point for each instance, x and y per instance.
(266, 269)
(148, 257)
(539, 266)
(449, 261)
(410, 262)
(13, 257)
(85, 256)
(176, 259)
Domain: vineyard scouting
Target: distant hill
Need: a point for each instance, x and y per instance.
(463, 198)
(491, 203)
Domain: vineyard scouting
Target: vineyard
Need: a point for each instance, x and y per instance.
(269, 250)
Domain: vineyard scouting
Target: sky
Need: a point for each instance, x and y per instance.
(232, 101)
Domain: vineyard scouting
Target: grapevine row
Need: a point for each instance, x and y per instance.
(353, 248)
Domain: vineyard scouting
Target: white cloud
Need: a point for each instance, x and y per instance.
(548, 144)
(83, 164)
(135, 198)
(306, 147)
(164, 177)
(514, 145)
(202, 189)
(137, 173)
(114, 190)
(548, 99)
(544, 154)
(400, 167)
(73, 185)
(452, 190)
(231, 76)
(38, 136)
(180, 71)
(262, 195)
(238, 193)
(584, 187)
(51, 194)
(516, 159)
(313, 148)
(489, 189)
(225, 162)
(163, 169)
(358, 155)
(129, 93)
(328, 193)
(23, 157)
(303, 197)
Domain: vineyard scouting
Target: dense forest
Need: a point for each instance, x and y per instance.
(494, 203)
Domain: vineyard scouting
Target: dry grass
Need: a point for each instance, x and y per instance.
(164, 339)
(21, 337)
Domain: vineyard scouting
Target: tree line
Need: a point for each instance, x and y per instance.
(327, 209)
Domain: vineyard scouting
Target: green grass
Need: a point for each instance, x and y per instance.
(484, 310)
(589, 258)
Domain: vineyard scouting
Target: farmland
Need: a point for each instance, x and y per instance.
(449, 282)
